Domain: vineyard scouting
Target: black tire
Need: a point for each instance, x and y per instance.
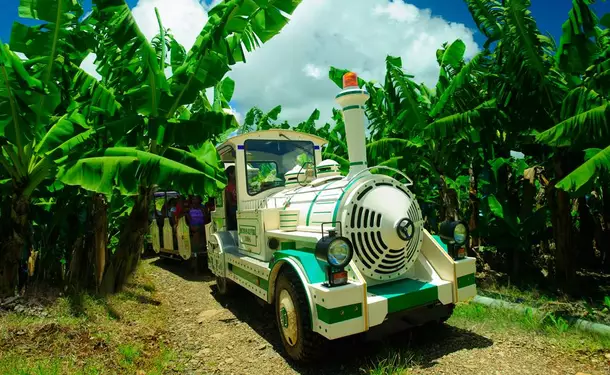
(202, 262)
(192, 264)
(439, 323)
(224, 286)
(445, 318)
(309, 344)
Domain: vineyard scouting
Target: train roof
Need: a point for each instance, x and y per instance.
(272, 134)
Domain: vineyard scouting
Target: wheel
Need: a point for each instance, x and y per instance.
(223, 285)
(293, 318)
(439, 323)
(192, 264)
(202, 262)
(445, 318)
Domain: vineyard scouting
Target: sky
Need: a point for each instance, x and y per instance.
(292, 68)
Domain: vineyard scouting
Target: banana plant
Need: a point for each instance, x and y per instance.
(166, 115)
(39, 118)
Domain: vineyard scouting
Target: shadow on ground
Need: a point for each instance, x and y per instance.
(184, 269)
(421, 347)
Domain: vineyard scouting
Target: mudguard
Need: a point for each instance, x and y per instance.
(218, 244)
(299, 261)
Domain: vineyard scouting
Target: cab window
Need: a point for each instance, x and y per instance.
(268, 160)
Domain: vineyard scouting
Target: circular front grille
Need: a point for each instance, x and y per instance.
(371, 212)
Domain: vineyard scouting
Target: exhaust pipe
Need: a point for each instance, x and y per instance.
(352, 99)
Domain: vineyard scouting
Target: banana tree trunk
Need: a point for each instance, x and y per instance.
(586, 234)
(604, 248)
(562, 228)
(127, 255)
(473, 223)
(449, 203)
(89, 250)
(521, 255)
(14, 245)
(100, 236)
(79, 263)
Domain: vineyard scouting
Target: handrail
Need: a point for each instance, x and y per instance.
(383, 167)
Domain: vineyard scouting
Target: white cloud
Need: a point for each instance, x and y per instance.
(232, 111)
(88, 66)
(184, 18)
(313, 71)
(292, 69)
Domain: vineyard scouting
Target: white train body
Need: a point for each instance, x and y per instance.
(393, 271)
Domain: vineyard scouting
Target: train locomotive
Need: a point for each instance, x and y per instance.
(335, 254)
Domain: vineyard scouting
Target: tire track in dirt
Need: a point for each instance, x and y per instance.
(237, 335)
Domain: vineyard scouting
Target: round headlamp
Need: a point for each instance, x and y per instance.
(454, 232)
(460, 234)
(336, 251)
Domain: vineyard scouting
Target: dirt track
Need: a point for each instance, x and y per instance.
(237, 335)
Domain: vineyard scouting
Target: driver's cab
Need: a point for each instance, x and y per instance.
(266, 162)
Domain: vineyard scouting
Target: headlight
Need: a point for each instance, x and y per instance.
(460, 234)
(454, 233)
(339, 253)
(336, 251)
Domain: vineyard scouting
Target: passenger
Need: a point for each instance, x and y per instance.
(182, 206)
(196, 219)
(171, 213)
(231, 199)
(196, 212)
(209, 207)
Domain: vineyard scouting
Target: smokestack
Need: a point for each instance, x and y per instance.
(352, 99)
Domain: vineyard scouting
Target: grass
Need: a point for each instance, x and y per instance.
(123, 334)
(85, 335)
(555, 329)
(595, 310)
(392, 363)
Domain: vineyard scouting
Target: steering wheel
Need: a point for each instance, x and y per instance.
(300, 170)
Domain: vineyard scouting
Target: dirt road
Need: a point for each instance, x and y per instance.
(237, 335)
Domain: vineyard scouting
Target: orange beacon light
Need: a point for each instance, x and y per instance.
(350, 79)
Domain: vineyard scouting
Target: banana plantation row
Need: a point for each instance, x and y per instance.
(516, 141)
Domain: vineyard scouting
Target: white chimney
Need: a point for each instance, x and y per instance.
(352, 99)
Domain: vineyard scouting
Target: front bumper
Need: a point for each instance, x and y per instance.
(355, 308)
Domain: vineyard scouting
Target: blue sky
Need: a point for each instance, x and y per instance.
(324, 33)
(550, 14)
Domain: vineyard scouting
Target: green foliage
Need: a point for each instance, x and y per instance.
(606, 304)
(598, 163)
(577, 48)
(527, 320)
(132, 130)
(521, 94)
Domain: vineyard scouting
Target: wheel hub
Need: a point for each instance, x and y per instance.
(288, 318)
(284, 317)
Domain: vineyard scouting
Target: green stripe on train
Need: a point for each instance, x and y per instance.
(405, 294)
(314, 272)
(313, 202)
(249, 277)
(341, 197)
(339, 314)
(466, 280)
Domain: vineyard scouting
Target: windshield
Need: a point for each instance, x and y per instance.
(268, 160)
